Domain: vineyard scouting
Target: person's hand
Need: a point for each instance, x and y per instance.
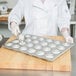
(15, 29)
(66, 34)
(69, 39)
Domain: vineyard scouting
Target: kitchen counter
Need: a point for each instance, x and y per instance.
(4, 18)
(10, 59)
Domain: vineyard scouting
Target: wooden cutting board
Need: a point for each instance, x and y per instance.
(10, 59)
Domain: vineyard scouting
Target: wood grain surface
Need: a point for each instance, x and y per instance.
(10, 59)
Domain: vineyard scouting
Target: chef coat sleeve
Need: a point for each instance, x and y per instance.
(16, 14)
(64, 16)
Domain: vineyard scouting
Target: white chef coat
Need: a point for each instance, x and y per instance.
(41, 18)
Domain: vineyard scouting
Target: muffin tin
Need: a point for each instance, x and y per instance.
(40, 47)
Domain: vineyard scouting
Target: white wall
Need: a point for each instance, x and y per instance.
(11, 3)
(72, 7)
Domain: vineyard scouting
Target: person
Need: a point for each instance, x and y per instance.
(42, 18)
